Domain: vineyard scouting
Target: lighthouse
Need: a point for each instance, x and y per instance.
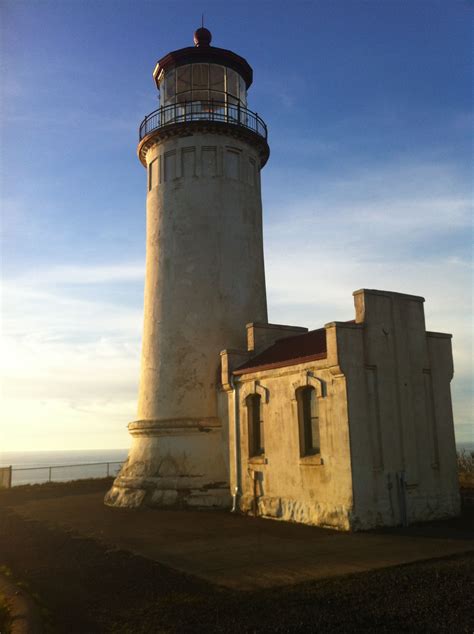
(347, 426)
(203, 150)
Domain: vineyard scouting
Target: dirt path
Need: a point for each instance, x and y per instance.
(236, 551)
(88, 587)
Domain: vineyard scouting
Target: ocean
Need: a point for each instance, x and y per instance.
(65, 464)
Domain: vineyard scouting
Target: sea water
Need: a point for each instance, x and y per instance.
(32, 467)
(79, 464)
(465, 446)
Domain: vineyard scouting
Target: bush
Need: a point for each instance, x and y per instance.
(465, 461)
(466, 468)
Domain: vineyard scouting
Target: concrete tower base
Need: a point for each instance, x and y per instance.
(178, 463)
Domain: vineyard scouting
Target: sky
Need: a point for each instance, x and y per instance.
(369, 110)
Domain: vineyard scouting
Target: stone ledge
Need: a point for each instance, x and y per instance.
(173, 426)
(204, 126)
(133, 497)
(373, 291)
(438, 335)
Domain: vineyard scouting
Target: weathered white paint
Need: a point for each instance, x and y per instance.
(386, 428)
(204, 281)
(5, 477)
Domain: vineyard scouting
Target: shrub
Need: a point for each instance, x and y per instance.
(466, 461)
(466, 468)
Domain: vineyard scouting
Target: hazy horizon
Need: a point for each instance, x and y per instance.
(466, 443)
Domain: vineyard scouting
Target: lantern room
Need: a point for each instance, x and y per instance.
(203, 73)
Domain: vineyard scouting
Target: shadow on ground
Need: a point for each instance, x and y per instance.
(90, 584)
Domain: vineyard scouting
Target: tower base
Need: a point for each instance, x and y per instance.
(173, 463)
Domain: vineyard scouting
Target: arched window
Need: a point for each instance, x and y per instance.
(308, 421)
(255, 425)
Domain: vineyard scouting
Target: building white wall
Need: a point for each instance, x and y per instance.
(402, 436)
(388, 452)
(310, 489)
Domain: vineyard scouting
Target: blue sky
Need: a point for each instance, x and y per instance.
(369, 110)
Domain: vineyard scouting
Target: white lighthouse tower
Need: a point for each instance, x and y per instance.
(203, 151)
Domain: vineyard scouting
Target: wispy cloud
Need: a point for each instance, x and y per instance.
(384, 228)
(69, 367)
(71, 357)
(84, 274)
(46, 314)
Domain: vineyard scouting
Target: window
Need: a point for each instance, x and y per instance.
(183, 79)
(150, 177)
(188, 161)
(232, 83)
(255, 425)
(242, 91)
(209, 161)
(251, 172)
(308, 421)
(152, 174)
(217, 78)
(170, 87)
(170, 166)
(232, 162)
(200, 76)
(203, 82)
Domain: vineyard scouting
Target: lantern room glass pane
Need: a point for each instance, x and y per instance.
(217, 74)
(203, 82)
(200, 76)
(232, 82)
(169, 87)
(242, 91)
(183, 82)
(201, 95)
(217, 97)
(184, 96)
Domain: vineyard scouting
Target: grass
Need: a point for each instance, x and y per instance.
(4, 616)
(5, 621)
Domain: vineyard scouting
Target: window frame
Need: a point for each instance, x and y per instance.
(308, 411)
(255, 426)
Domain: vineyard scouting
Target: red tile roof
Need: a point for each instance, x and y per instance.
(288, 351)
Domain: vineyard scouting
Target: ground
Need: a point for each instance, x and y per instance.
(85, 584)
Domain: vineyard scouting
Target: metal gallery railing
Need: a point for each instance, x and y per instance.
(188, 111)
(59, 473)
